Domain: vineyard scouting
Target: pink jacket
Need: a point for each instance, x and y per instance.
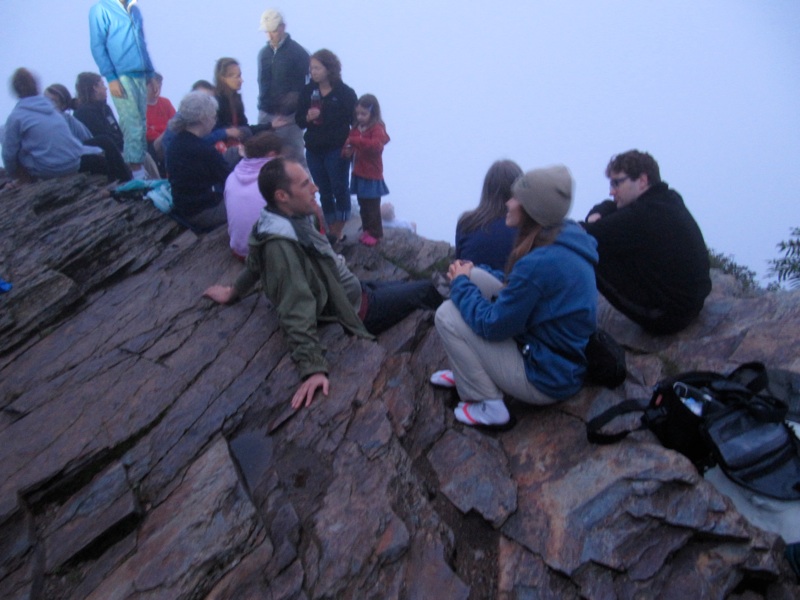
(368, 146)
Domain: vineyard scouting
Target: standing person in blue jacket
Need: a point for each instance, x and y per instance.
(119, 49)
(522, 333)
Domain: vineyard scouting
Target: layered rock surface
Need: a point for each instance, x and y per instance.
(147, 448)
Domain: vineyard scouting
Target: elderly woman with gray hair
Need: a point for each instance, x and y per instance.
(197, 172)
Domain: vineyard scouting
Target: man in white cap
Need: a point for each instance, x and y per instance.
(282, 67)
(282, 75)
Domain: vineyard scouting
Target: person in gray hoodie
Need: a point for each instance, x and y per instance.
(37, 142)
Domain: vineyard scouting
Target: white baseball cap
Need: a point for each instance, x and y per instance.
(271, 19)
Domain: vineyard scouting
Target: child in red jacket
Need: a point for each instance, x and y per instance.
(365, 144)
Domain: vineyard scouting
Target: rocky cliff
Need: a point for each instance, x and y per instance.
(147, 449)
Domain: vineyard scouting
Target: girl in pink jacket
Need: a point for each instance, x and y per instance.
(365, 144)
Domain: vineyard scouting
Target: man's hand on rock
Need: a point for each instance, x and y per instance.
(221, 294)
(305, 393)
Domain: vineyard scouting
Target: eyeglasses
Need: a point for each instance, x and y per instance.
(615, 182)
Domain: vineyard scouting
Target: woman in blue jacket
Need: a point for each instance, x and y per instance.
(522, 333)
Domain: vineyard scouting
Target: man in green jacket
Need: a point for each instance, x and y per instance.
(308, 283)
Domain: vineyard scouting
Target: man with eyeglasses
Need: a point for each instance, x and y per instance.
(653, 264)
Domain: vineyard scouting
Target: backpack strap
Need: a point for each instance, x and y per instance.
(746, 385)
(752, 375)
(594, 425)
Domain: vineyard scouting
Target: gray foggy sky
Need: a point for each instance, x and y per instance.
(710, 88)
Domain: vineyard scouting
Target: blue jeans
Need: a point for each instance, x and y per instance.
(331, 173)
(389, 302)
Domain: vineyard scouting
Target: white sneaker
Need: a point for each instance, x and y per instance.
(443, 379)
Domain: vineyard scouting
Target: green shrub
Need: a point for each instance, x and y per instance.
(745, 276)
(787, 268)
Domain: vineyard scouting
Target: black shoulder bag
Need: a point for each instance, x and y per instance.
(726, 420)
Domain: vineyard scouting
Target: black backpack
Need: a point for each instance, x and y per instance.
(727, 420)
(606, 360)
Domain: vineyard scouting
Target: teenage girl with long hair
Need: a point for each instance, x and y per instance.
(92, 109)
(230, 114)
(482, 235)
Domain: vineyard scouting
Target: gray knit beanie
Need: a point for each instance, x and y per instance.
(545, 194)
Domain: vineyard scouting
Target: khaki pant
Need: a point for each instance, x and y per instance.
(484, 370)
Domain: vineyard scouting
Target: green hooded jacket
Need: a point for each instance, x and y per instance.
(304, 283)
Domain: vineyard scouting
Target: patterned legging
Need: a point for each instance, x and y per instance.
(132, 111)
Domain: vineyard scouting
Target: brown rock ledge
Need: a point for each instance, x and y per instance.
(147, 449)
